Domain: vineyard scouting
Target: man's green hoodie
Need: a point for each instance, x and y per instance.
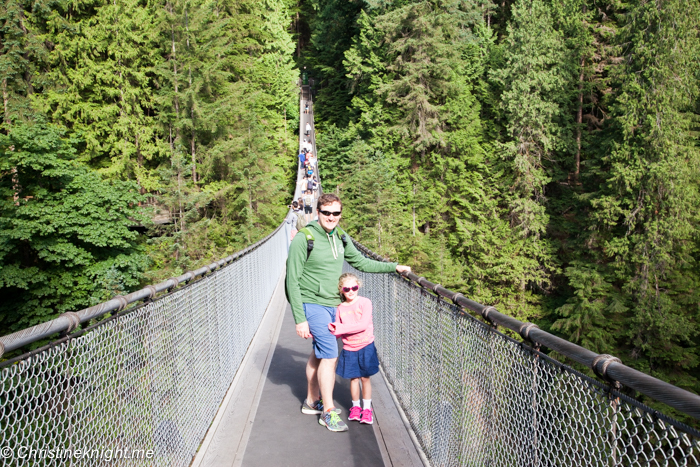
(316, 280)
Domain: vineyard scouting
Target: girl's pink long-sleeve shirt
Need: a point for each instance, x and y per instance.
(354, 323)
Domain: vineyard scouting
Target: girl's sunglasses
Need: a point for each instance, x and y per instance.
(354, 288)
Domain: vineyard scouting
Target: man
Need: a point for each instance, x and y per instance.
(311, 286)
(308, 200)
(302, 158)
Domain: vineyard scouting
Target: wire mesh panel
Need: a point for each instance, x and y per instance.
(475, 397)
(142, 387)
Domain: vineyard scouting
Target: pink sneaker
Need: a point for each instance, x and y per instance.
(355, 413)
(367, 417)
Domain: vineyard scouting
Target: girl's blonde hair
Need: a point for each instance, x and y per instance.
(348, 275)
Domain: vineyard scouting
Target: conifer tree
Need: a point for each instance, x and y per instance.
(22, 55)
(644, 215)
(101, 85)
(333, 27)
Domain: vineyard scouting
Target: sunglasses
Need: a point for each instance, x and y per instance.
(330, 213)
(354, 288)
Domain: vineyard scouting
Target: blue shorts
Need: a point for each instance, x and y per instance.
(319, 316)
(359, 363)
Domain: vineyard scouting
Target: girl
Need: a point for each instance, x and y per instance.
(358, 360)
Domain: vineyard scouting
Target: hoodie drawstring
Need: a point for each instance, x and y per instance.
(334, 247)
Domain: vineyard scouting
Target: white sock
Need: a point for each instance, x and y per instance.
(366, 404)
(356, 403)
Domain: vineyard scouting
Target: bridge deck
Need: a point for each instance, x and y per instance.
(260, 422)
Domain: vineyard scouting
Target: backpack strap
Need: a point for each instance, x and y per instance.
(309, 241)
(343, 237)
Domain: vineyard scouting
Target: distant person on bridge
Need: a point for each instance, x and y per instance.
(308, 128)
(302, 158)
(311, 185)
(314, 266)
(308, 203)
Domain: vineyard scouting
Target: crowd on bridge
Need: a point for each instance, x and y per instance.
(326, 304)
(309, 184)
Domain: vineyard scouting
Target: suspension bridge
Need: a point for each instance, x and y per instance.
(205, 369)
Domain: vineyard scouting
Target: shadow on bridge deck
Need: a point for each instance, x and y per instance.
(260, 421)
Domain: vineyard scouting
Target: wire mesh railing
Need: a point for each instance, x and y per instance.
(475, 397)
(140, 387)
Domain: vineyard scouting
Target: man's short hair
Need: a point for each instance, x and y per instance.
(327, 198)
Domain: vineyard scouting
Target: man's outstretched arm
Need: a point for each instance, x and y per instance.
(364, 264)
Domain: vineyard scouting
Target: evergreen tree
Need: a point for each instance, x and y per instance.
(102, 66)
(644, 217)
(332, 30)
(22, 55)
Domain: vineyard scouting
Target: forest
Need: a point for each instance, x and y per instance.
(116, 113)
(540, 156)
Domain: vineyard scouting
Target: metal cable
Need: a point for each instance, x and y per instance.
(475, 397)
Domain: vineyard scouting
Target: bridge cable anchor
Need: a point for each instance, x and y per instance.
(151, 292)
(123, 302)
(174, 282)
(485, 313)
(73, 320)
(455, 297)
(525, 329)
(600, 367)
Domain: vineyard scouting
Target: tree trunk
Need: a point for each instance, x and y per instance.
(413, 210)
(579, 122)
(139, 161)
(6, 104)
(193, 135)
(296, 23)
(194, 161)
(27, 74)
(172, 57)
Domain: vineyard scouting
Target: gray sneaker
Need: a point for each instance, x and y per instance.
(316, 408)
(332, 421)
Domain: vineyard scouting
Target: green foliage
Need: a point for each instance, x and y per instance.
(332, 29)
(644, 213)
(65, 238)
(538, 156)
(186, 108)
(22, 55)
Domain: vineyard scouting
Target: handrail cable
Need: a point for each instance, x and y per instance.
(67, 322)
(607, 367)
